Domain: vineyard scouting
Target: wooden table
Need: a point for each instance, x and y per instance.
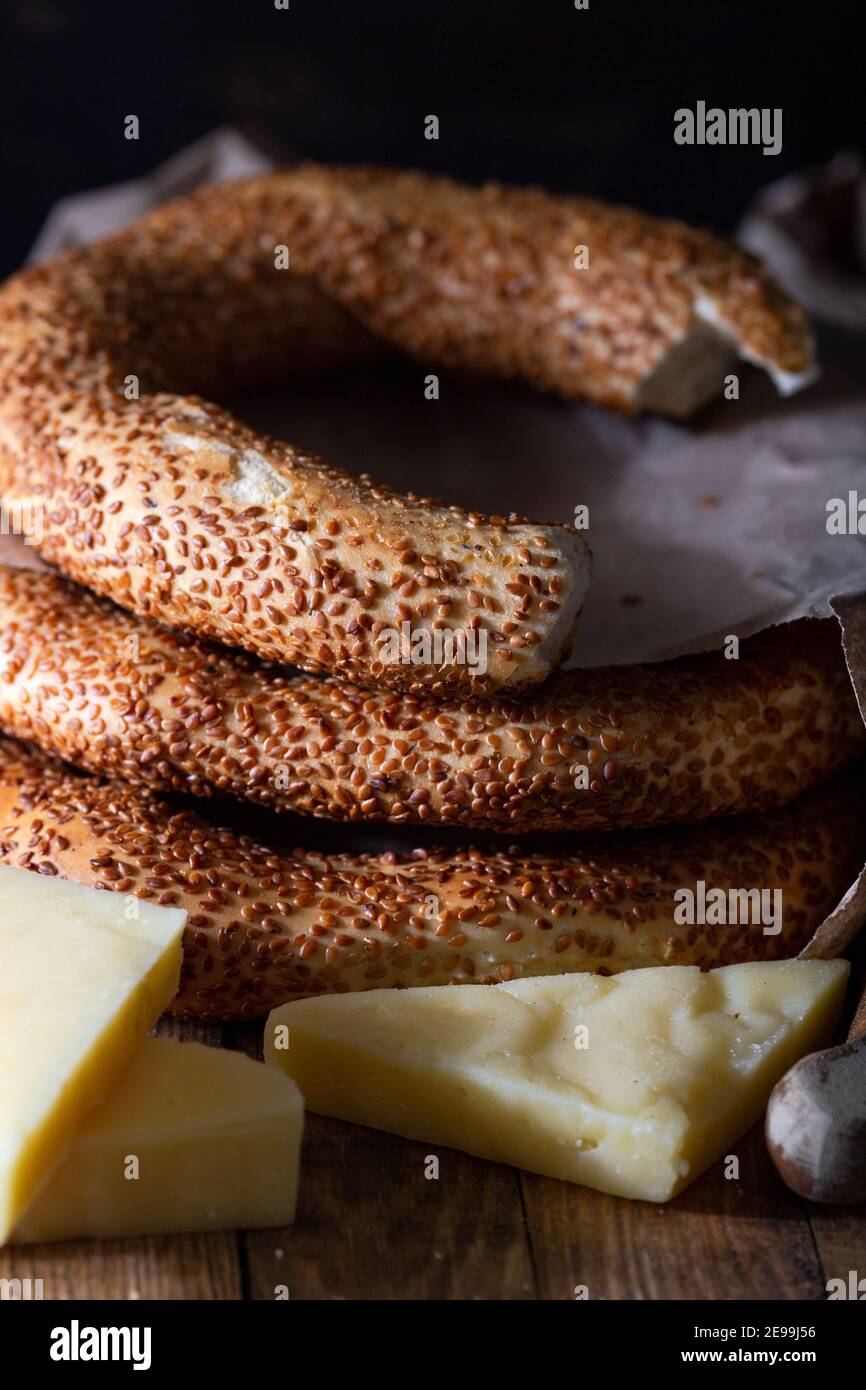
(370, 1225)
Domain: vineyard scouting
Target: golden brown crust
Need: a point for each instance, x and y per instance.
(175, 509)
(623, 746)
(476, 278)
(266, 926)
(385, 244)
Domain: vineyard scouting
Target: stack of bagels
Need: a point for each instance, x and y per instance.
(193, 561)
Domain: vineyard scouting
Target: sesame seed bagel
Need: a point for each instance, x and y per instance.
(685, 740)
(567, 294)
(266, 925)
(175, 509)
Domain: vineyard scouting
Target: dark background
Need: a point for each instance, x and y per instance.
(579, 100)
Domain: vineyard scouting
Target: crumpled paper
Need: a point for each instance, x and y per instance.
(222, 155)
(699, 530)
(811, 228)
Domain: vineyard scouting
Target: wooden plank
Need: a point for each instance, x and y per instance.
(840, 1239)
(164, 1267)
(191, 1030)
(721, 1239)
(370, 1225)
(243, 1037)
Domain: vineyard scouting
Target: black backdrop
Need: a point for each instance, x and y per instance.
(528, 91)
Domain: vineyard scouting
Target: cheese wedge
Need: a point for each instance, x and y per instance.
(194, 1138)
(631, 1084)
(84, 974)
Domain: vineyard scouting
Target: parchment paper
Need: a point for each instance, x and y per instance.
(700, 530)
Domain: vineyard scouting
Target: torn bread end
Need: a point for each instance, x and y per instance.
(786, 382)
(557, 643)
(689, 376)
(692, 373)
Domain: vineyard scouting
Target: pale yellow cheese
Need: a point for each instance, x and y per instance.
(84, 974)
(193, 1139)
(677, 1064)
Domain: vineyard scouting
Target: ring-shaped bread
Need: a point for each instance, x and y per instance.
(169, 505)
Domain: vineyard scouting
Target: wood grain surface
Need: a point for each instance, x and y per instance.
(370, 1225)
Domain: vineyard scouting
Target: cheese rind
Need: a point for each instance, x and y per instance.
(84, 975)
(678, 1064)
(217, 1139)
